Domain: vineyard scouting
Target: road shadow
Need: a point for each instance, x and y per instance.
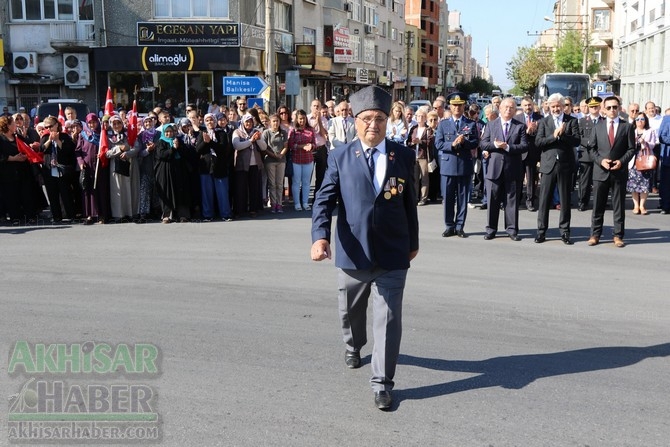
(517, 371)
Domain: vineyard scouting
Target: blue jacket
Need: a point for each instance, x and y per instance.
(664, 138)
(373, 230)
(456, 160)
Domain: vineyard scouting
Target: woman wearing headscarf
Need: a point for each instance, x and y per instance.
(171, 184)
(248, 163)
(214, 150)
(59, 169)
(145, 156)
(95, 193)
(122, 199)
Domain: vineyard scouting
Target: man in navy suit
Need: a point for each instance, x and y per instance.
(456, 143)
(371, 182)
(557, 136)
(611, 150)
(503, 142)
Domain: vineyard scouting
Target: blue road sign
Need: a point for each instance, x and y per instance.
(252, 102)
(243, 85)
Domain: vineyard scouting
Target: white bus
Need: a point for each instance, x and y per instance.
(575, 85)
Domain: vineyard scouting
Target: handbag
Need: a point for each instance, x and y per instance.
(432, 165)
(645, 161)
(83, 179)
(122, 167)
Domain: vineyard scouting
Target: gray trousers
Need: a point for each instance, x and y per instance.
(386, 288)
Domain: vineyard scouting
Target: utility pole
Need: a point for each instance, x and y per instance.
(271, 54)
(409, 40)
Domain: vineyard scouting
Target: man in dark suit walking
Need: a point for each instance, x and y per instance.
(557, 137)
(612, 148)
(504, 141)
(587, 133)
(530, 158)
(371, 182)
(456, 143)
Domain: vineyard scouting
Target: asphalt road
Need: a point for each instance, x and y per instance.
(505, 343)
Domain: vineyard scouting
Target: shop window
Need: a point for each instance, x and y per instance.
(192, 8)
(150, 89)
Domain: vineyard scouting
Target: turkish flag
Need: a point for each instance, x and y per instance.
(33, 157)
(132, 125)
(61, 117)
(109, 104)
(104, 147)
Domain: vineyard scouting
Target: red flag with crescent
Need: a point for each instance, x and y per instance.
(104, 147)
(61, 116)
(24, 148)
(132, 125)
(109, 104)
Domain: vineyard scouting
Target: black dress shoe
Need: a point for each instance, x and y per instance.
(532, 209)
(582, 208)
(461, 234)
(489, 236)
(383, 400)
(540, 238)
(514, 237)
(483, 207)
(448, 233)
(352, 359)
(566, 239)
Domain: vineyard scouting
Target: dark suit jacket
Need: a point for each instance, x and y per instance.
(501, 161)
(557, 150)
(622, 150)
(456, 160)
(533, 151)
(587, 134)
(372, 229)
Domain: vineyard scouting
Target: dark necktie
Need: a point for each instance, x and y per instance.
(610, 133)
(458, 125)
(505, 131)
(371, 161)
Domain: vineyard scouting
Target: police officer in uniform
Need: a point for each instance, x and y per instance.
(587, 126)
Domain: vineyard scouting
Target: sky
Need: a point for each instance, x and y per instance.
(503, 27)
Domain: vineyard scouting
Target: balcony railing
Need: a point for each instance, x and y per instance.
(79, 33)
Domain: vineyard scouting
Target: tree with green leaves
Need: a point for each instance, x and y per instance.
(477, 85)
(528, 65)
(570, 54)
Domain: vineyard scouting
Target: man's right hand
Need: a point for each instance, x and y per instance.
(320, 250)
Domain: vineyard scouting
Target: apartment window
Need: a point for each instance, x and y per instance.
(191, 8)
(51, 9)
(309, 36)
(601, 19)
(282, 15)
(394, 63)
(381, 61)
(394, 34)
(369, 52)
(356, 11)
(370, 16)
(355, 45)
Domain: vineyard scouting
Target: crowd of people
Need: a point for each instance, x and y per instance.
(237, 161)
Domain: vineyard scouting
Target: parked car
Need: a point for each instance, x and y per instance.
(51, 108)
(418, 103)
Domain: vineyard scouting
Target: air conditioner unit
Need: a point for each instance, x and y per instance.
(24, 62)
(368, 29)
(76, 71)
(347, 6)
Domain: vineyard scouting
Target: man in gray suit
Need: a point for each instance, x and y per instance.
(341, 130)
(557, 137)
(504, 141)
